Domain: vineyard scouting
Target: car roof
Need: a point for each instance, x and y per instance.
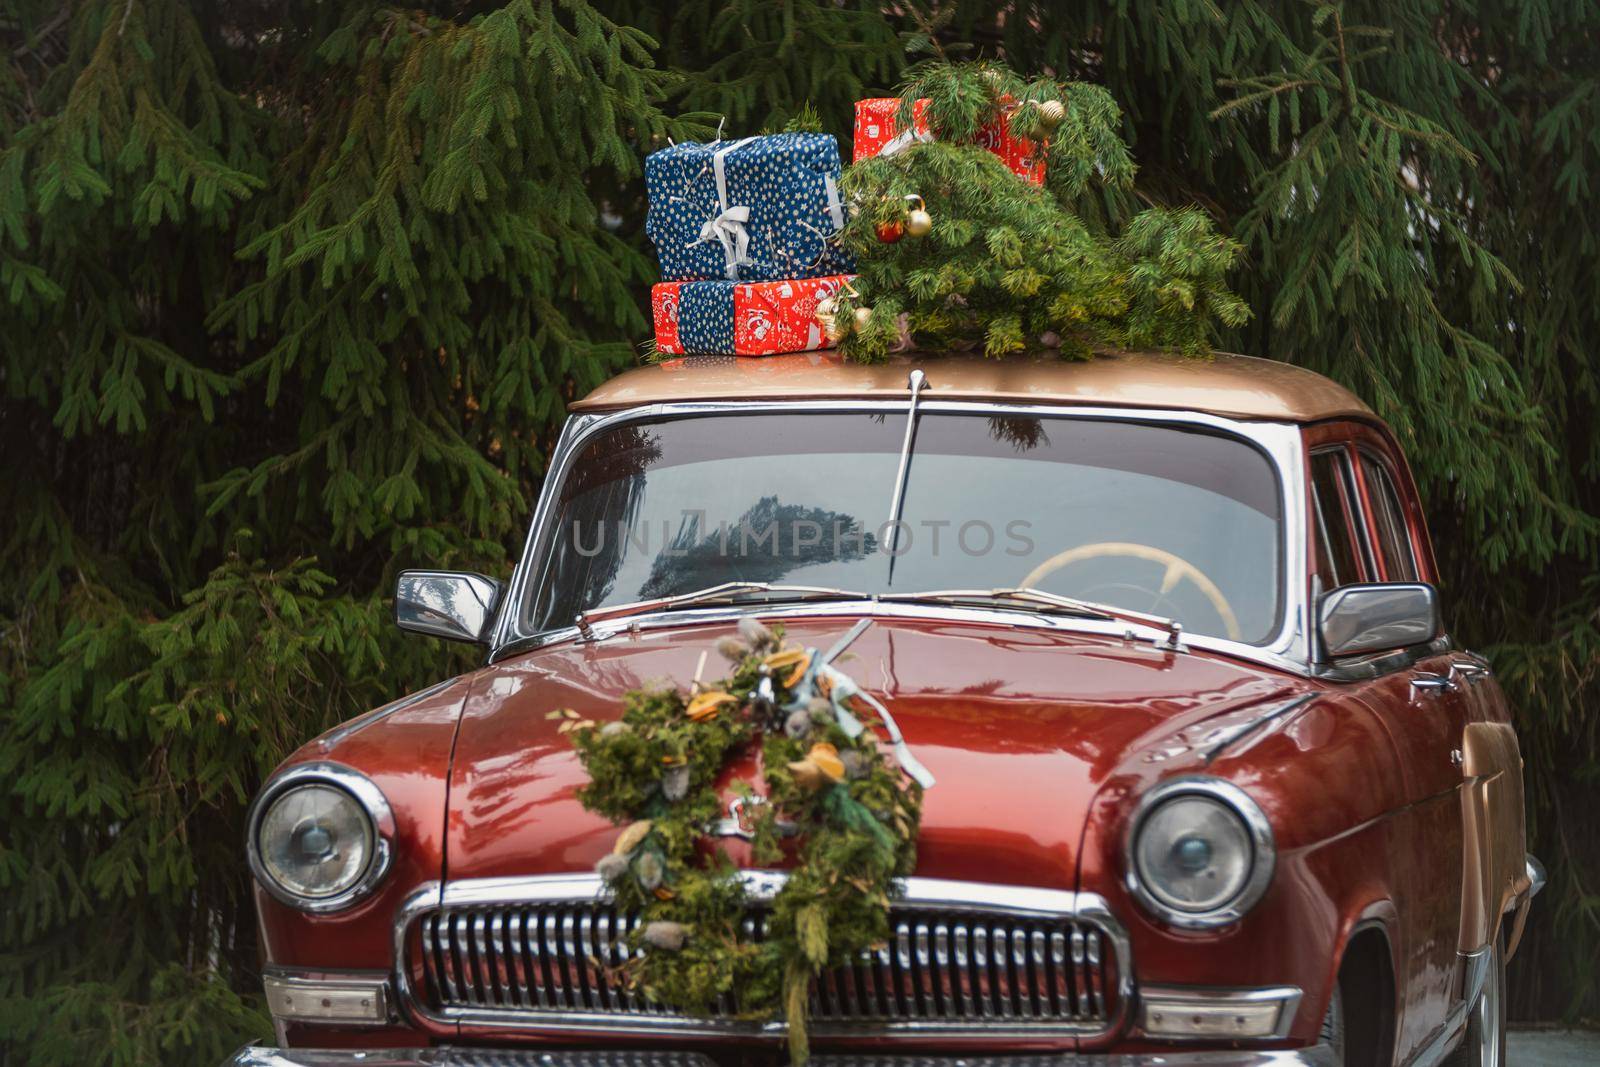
(1236, 386)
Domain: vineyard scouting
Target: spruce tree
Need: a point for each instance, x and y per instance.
(293, 294)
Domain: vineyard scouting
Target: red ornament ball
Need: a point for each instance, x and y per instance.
(890, 232)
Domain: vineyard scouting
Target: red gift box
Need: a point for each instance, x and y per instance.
(876, 131)
(741, 318)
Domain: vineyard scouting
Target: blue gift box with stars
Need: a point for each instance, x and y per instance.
(749, 209)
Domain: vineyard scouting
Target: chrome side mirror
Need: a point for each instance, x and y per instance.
(451, 604)
(1377, 617)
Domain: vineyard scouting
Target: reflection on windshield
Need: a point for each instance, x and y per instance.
(696, 557)
(1023, 434)
(1172, 521)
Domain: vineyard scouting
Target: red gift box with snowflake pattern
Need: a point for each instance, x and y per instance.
(741, 318)
(876, 132)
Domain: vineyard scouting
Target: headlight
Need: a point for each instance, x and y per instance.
(320, 837)
(1200, 852)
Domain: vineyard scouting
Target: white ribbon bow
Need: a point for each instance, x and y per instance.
(727, 228)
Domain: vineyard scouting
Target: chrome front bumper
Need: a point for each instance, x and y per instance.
(262, 1056)
(255, 1056)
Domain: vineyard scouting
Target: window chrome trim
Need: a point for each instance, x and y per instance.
(915, 893)
(1279, 442)
(1365, 453)
(1264, 860)
(371, 799)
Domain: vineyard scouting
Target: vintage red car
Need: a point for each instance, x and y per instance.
(1214, 785)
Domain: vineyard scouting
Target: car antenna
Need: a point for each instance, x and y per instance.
(915, 382)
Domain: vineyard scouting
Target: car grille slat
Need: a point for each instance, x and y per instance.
(461, 949)
(956, 967)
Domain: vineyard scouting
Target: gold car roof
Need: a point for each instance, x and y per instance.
(1236, 386)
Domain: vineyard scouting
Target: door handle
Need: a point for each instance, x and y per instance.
(1472, 672)
(1433, 683)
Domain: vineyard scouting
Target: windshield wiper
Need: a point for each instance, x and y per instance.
(915, 383)
(1050, 601)
(727, 592)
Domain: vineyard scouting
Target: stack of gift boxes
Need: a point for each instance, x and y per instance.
(748, 236)
(748, 232)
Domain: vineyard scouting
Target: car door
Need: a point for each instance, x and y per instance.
(1488, 757)
(1373, 536)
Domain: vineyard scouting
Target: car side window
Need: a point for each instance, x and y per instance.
(1340, 549)
(1389, 521)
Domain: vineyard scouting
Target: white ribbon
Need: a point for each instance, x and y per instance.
(842, 689)
(835, 208)
(901, 141)
(727, 228)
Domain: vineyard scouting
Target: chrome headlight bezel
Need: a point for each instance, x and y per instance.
(367, 796)
(1257, 829)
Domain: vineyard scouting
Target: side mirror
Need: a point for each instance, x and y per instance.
(451, 604)
(1377, 617)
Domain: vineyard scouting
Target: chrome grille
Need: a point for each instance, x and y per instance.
(946, 967)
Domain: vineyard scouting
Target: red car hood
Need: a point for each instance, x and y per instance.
(1020, 727)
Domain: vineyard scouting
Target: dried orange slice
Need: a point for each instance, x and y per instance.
(631, 838)
(787, 658)
(807, 775)
(799, 670)
(827, 760)
(704, 705)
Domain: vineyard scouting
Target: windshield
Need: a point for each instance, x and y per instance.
(1151, 517)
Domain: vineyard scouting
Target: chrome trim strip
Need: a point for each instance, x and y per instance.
(1022, 902)
(366, 719)
(1215, 747)
(1287, 996)
(1279, 442)
(1475, 972)
(365, 793)
(1260, 830)
(447, 1056)
(1320, 1055)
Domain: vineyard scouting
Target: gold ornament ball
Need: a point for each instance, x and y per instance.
(918, 222)
(1051, 112)
(826, 307)
(863, 316)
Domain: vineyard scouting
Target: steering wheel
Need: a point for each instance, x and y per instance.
(1177, 570)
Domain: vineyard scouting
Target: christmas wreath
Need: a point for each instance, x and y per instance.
(845, 813)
